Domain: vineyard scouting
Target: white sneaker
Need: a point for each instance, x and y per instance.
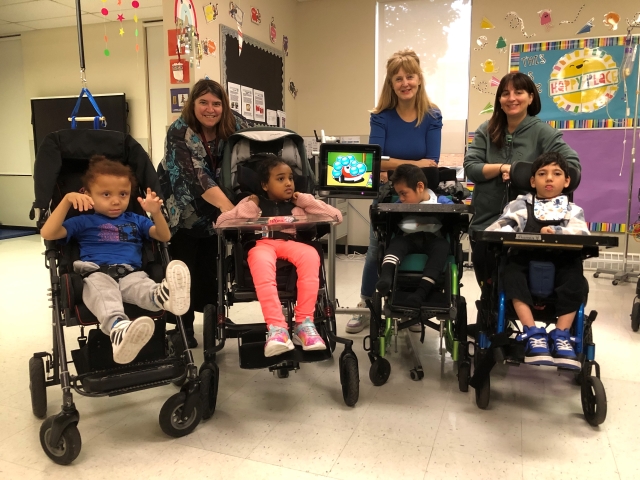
(174, 293)
(358, 322)
(129, 337)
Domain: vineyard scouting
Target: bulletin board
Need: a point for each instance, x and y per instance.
(259, 66)
(580, 81)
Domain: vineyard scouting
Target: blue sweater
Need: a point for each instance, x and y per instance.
(402, 140)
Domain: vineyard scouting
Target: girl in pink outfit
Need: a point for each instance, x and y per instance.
(276, 179)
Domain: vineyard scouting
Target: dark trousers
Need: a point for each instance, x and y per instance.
(437, 248)
(199, 254)
(571, 287)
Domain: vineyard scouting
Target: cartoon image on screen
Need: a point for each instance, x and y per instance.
(350, 169)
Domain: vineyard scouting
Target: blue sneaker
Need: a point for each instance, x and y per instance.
(562, 351)
(537, 350)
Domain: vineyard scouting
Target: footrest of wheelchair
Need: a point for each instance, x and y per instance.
(252, 356)
(131, 375)
(435, 300)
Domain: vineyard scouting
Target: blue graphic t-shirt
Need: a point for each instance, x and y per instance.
(109, 241)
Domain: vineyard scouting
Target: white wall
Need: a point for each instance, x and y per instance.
(157, 91)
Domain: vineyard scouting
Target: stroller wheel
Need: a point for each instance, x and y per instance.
(483, 394)
(171, 420)
(38, 387)
(209, 376)
(350, 379)
(635, 317)
(594, 401)
(464, 373)
(380, 371)
(67, 449)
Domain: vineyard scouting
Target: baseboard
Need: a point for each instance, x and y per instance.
(16, 227)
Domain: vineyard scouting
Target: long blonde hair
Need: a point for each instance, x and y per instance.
(410, 63)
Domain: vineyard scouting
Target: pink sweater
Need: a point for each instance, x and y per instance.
(306, 204)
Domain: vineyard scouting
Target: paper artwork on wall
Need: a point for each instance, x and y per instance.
(259, 114)
(272, 31)
(255, 16)
(481, 86)
(236, 13)
(488, 108)
(577, 15)
(210, 12)
(515, 21)
(538, 85)
(481, 42)
(233, 89)
(611, 20)
(272, 118)
(179, 70)
(285, 45)
(209, 47)
(292, 89)
(495, 81)
(545, 18)
(186, 12)
(635, 21)
(501, 44)
(240, 40)
(489, 67)
(247, 102)
(179, 97)
(486, 24)
(586, 28)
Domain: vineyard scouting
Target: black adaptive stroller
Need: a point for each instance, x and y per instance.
(235, 284)
(61, 161)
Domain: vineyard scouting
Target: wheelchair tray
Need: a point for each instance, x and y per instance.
(424, 207)
(275, 223)
(544, 240)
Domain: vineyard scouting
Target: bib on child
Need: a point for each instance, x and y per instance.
(550, 209)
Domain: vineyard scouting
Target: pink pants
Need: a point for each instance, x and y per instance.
(262, 263)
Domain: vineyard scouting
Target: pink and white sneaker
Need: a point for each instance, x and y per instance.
(306, 335)
(278, 341)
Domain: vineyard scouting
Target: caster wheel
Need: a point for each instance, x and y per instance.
(416, 375)
(596, 275)
(594, 401)
(483, 394)
(209, 377)
(67, 449)
(380, 371)
(282, 373)
(464, 373)
(615, 282)
(171, 420)
(350, 379)
(635, 317)
(38, 387)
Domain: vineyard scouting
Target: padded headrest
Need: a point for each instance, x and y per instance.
(520, 175)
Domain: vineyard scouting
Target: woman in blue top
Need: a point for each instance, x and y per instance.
(408, 128)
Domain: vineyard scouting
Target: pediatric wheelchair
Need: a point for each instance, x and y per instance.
(497, 333)
(235, 284)
(61, 161)
(445, 309)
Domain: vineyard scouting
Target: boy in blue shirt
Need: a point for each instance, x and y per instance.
(111, 255)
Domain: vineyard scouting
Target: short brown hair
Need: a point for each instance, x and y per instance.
(101, 165)
(227, 124)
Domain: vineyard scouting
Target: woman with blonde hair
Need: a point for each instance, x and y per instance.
(408, 128)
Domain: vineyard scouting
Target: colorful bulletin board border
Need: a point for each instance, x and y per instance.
(607, 227)
(579, 80)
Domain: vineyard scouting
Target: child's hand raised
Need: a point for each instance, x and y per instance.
(151, 203)
(80, 201)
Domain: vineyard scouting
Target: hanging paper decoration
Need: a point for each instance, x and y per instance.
(488, 108)
(135, 5)
(179, 71)
(236, 13)
(104, 13)
(635, 21)
(501, 44)
(121, 32)
(586, 27)
(187, 38)
(481, 86)
(577, 15)
(515, 21)
(210, 12)
(292, 89)
(545, 18)
(611, 20)
(285, 45)
(495, 81)
(255, 16)
(272, 31)
(486, 24)
(120, 18)
(209, 47)
(488, 66)
(240, 40)
(186, 12)
(481, 42)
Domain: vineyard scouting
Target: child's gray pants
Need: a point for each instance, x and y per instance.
(104, 296)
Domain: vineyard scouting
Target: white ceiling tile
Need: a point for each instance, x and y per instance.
(96, 6)
(35, 10)
(60, 22)
(11, 2)
(11, 28)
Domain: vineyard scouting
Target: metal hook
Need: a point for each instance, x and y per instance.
(83, 77)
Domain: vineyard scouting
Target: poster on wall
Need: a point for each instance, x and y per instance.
(179, 97)
(282, 119)
(272, 118)
(233, 89)
(247, 102)
(259, 114)
(581, 82)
